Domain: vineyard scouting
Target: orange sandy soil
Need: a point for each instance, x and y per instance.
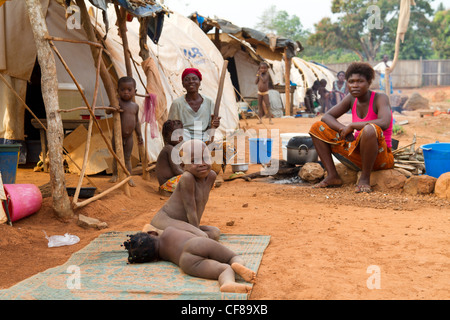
(322, 241)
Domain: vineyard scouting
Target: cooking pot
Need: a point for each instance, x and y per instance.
(300, 150)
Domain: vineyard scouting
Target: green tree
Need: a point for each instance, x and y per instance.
(281, 23)
(441, 39)
(365, 27)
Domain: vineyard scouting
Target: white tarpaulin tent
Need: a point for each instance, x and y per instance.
(182, 44)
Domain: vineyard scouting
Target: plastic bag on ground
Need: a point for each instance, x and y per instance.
(59, 241)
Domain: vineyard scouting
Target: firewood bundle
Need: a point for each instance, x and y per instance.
(410, 158)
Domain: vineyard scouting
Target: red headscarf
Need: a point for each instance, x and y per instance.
(191, 70)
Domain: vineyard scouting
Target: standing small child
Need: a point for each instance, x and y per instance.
(186, 205)
(262, 80)
(129, 120)
(167, 171)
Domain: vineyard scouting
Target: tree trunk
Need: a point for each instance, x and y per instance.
(55, 134)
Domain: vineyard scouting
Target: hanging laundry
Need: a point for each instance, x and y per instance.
(149, 115)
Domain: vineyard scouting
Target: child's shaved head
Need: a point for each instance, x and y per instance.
(193, 151)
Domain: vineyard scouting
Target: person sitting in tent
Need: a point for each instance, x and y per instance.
(194, 110)
(364, 144)
(311, 97)
(325, 96)
(167, 171)
(381, 70)
(340, 88)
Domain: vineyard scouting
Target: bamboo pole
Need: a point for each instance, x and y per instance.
(85, 108)
(89, 134)
(108, 143)
(287, 81)
(104, 193)
(55, 132)
(110, 91)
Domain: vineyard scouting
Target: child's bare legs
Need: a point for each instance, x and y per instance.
(206, 258)
(267, 109)
(127, 149)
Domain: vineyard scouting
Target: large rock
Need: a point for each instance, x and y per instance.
(415, 102)
(347, 175)
(419, 185)
(384, 180)
(442, 187)
(311, 172)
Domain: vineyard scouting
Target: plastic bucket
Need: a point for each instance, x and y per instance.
(9, 160)
(23, 200)
(437, 158)
(260, 150)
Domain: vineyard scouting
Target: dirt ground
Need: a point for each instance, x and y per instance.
(324, 243)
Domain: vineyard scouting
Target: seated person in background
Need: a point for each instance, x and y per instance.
(325, 96)
(168, 172)
(186, 205)
(197, 256)
(370, 147)
(340, 88)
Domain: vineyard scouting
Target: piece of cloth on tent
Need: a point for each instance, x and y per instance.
(149, 114)
(105, 274)
(154, 86)
(276, 104)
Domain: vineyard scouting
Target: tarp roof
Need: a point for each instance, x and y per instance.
(250, 35)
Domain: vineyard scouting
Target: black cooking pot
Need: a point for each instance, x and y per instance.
(300, 150)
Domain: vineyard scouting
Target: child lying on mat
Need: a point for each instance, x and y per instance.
(185, 207)
(197, 256)
(167, 171)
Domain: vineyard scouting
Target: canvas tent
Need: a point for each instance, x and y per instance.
(181, 44)
(246, 48)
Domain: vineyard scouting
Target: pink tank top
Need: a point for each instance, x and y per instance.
(371, 115)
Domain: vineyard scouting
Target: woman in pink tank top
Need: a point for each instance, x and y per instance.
(365, 143)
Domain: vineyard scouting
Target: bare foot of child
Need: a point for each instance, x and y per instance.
(259, 122)
(247, 274)
(113, 179)
(235, 287)
(131, 183)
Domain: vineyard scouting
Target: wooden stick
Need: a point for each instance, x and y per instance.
(104, 193)
(89, 133)
(220, 91)
(95, 44)
(219, 95)
(108, 144)
(85, 108)
(40, 122)
(21, 100)
(402, 148)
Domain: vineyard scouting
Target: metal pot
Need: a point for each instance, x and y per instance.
(300, 150)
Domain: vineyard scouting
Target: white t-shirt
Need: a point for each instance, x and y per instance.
(381, 67)
(194, 123)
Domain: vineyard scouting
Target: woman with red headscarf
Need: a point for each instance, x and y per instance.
(194, 110)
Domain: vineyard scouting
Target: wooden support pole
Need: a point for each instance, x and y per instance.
(110, 91)
(107, 142)
(104, 193)
(89, 134)
(55, 134)
(121, 23)
(287, 80)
